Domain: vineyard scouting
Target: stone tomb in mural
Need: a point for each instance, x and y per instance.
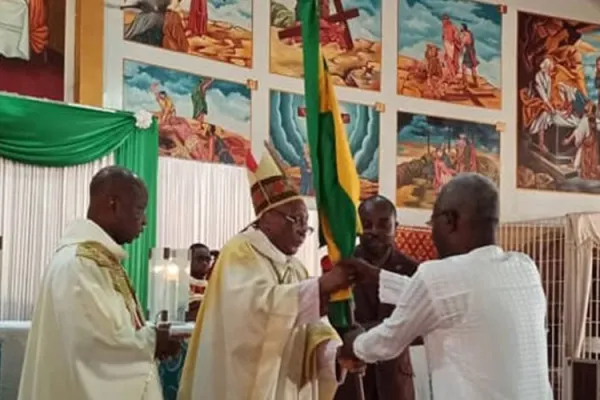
(431, 150)
(215, 29)
(350, 39)
(450, 51)
(557, 108)
(32, 48)
(288, 137)
(200, 118)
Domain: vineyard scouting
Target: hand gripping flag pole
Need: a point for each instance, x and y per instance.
(341, 316)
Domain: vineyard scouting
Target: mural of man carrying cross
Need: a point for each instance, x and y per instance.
(329, 23)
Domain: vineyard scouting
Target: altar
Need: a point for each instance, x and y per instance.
(13, 340)
(557, 159)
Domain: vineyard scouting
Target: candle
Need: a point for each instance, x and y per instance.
(172, 272)
(171, 285)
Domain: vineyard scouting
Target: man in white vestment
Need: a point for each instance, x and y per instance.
(480, 310)
(88, 338)
(259, 334)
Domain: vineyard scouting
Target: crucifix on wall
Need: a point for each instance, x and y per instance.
(345, 117)
(341, 16)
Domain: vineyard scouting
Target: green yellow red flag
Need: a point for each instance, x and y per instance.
(335, 180)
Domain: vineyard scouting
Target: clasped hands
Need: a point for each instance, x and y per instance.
(345, 273)
(345, 354)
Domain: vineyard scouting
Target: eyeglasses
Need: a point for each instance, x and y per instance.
(296, 221)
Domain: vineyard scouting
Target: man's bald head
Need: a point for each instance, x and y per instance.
(114, 179)
(474, 195)
(465, 214)
(118, 200)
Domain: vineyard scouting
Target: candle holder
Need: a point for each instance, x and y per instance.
(169, 282)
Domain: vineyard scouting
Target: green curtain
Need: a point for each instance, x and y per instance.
(139, 153)
(56, 134)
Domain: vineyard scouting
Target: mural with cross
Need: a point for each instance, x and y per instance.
(350, 38)
(338, 20)
(288, 138)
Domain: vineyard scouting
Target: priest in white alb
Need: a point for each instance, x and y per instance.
(89, 340)
(260, 334)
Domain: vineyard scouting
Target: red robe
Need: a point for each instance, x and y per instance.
(590, 159)
(198, 18)
(39, 32)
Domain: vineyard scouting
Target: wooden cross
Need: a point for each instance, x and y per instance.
(341, 15)
(302, 113)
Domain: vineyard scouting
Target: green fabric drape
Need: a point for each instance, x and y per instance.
(58, 135)
(54, 134)
(139, 153)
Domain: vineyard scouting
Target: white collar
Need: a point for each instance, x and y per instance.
(85, 230)
(489, 250)
(263, 245)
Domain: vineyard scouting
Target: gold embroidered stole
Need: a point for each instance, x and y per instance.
(99, 254)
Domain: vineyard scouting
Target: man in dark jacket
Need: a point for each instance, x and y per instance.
(393, 379)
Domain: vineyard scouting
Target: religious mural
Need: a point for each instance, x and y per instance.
(350, 39)
(219, 30)
(558, 75)
(200, 118)
(32, 48)
(450, 51)
(288, 137)
(432, 150)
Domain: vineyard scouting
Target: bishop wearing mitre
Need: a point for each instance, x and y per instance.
(260, 332)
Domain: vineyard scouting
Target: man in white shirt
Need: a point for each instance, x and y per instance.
(89, 340)
(480, 310)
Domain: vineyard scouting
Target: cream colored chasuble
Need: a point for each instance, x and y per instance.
(88, 340)
(246, 344)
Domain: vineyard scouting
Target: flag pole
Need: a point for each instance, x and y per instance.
(358, 376)
(336, 194)
(348, 310)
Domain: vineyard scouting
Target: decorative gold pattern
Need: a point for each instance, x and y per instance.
(99, 254)
(252, 84)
